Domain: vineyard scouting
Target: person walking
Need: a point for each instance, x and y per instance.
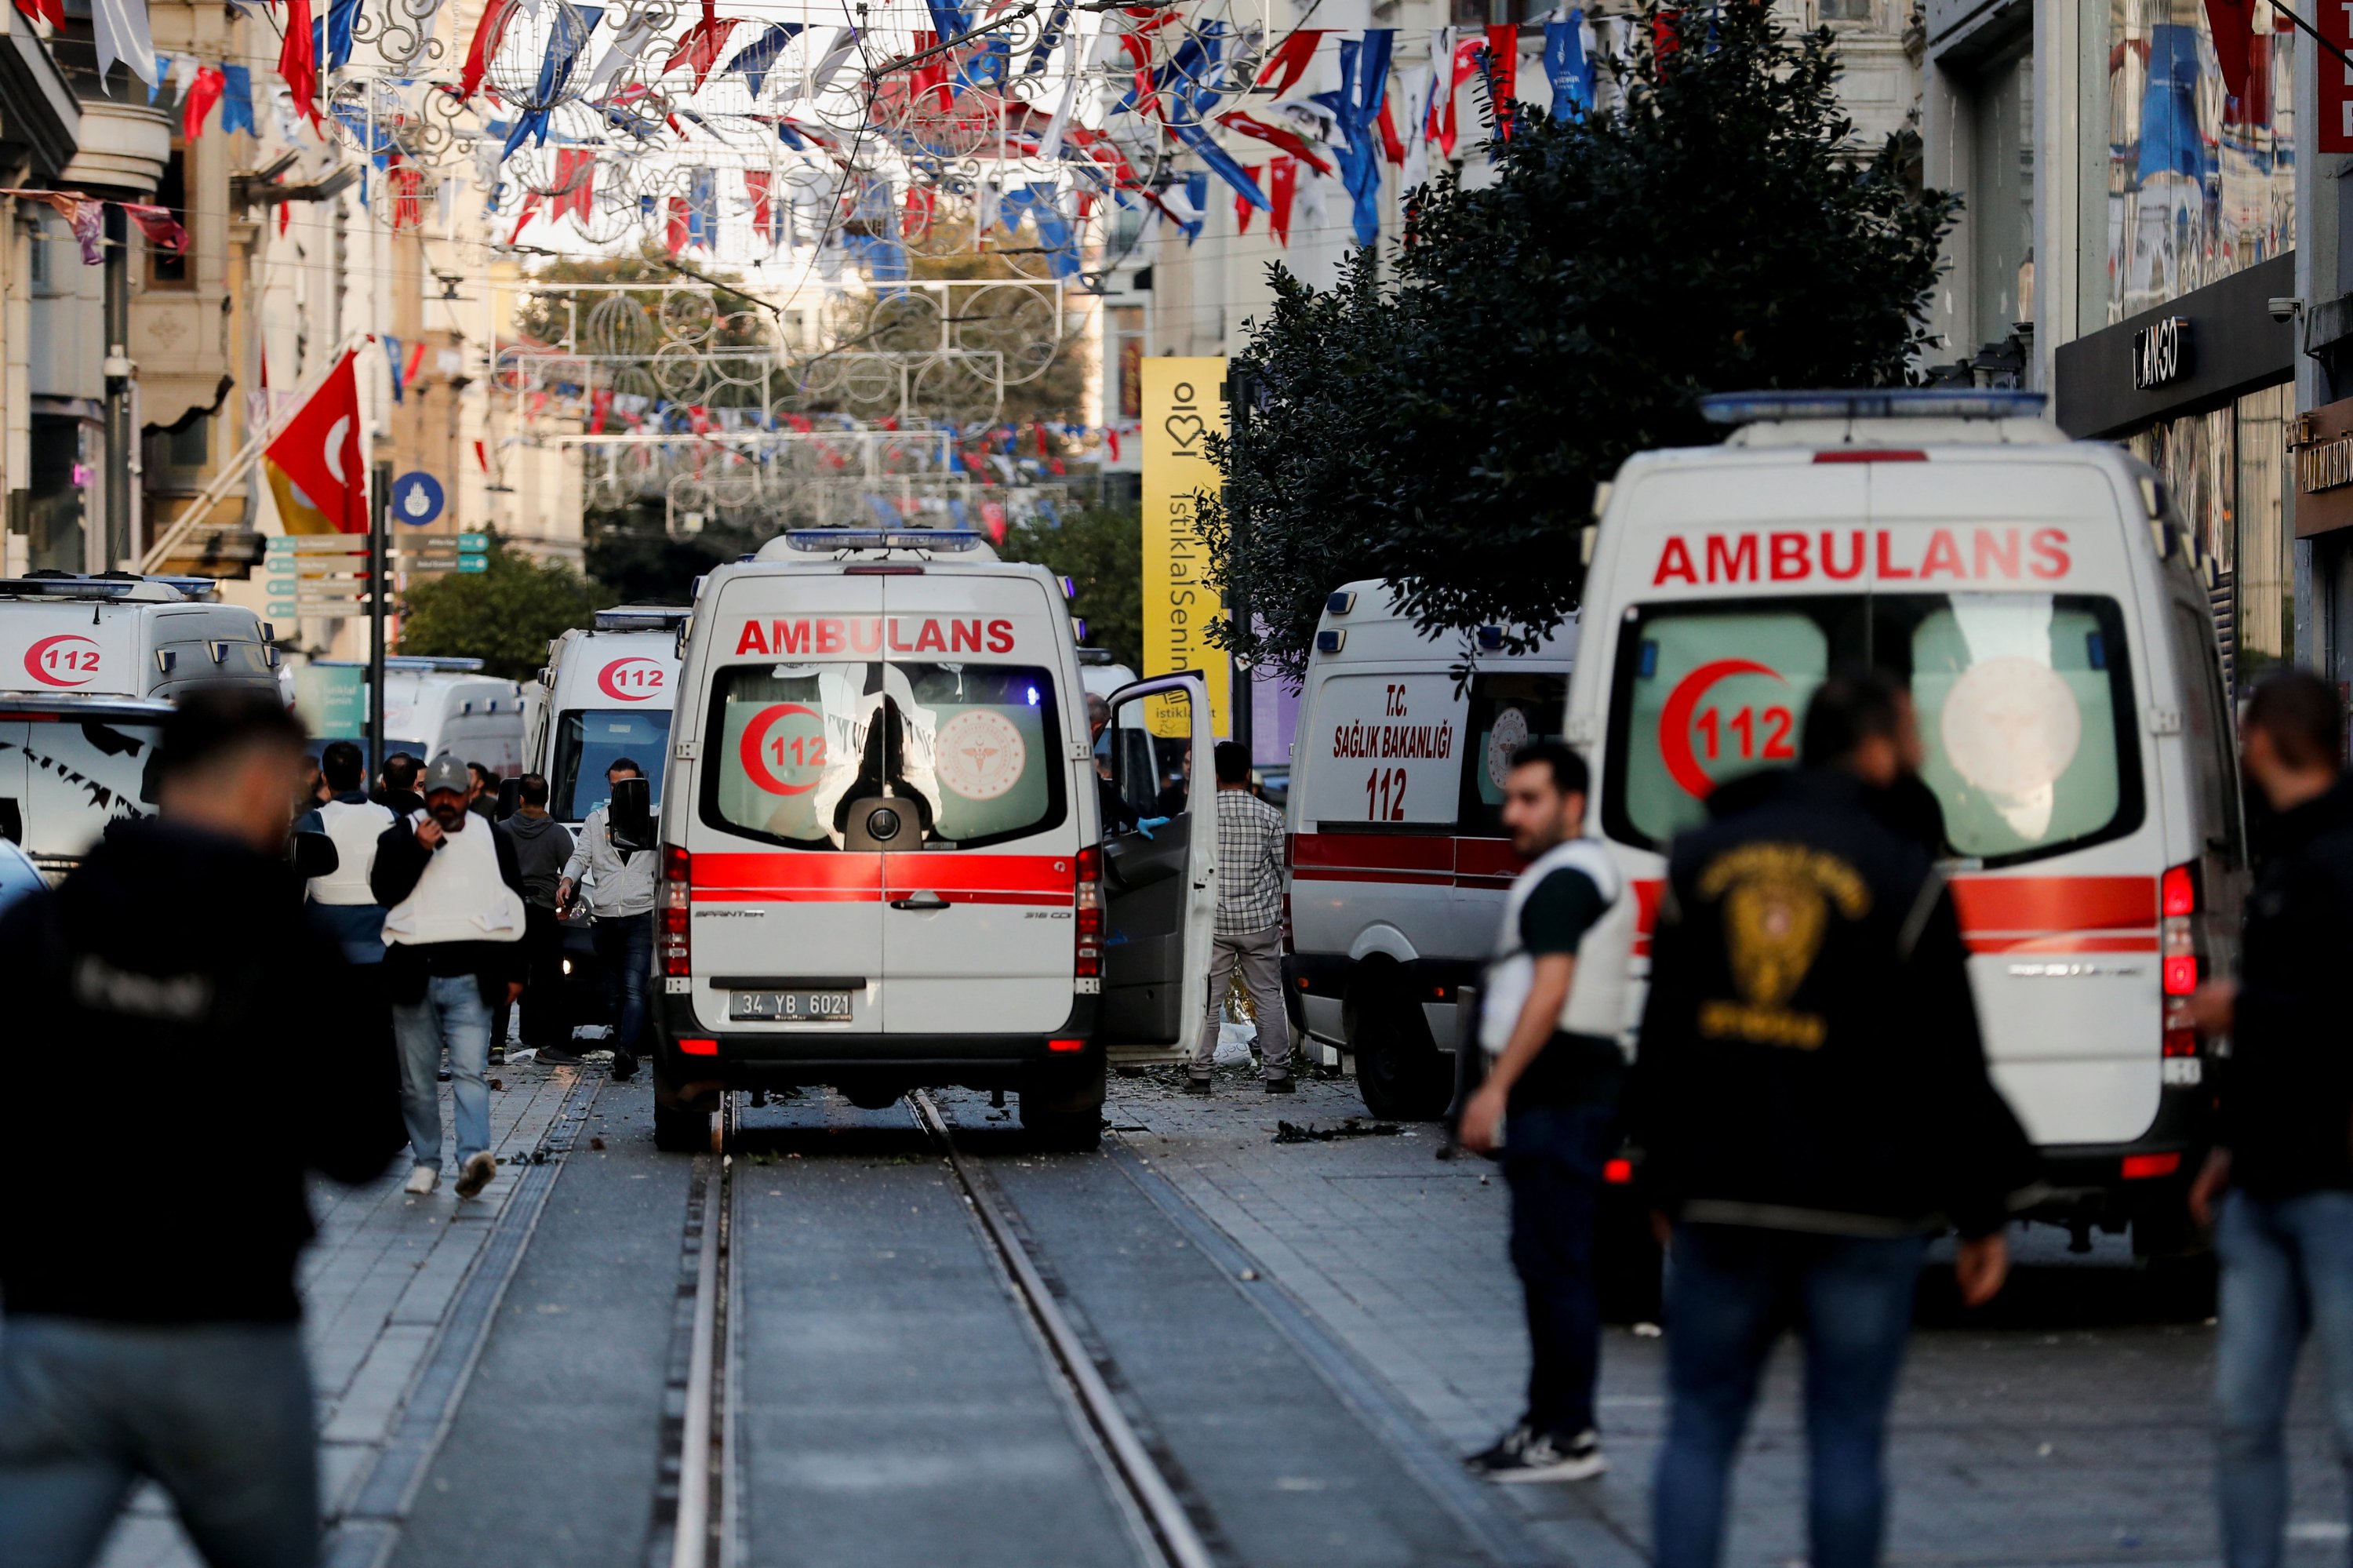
(342, 899)
(621, 897)
(543, 846)
(1249, 931)
(2278, 1186)
(453, 930)
(153, 1325)
(1552, 1007)
(1811, 1104)
(483, 792)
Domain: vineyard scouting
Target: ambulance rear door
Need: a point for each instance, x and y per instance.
(978, 917)
(1159, 884)
(786, 923)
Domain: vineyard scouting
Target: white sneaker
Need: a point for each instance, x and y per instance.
(423, 1179)
(475, 1174)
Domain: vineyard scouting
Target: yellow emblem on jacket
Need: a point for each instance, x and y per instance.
(1776, 901)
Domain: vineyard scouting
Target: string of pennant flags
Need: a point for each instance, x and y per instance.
(1000, 125)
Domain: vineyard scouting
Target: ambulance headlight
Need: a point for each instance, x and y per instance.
(882, 824)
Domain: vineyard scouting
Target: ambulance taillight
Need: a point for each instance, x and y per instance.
(677, 946)
(1088, 903)
(2180, 957)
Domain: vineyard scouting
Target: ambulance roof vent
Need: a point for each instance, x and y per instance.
(642, 617)
(1879, 403)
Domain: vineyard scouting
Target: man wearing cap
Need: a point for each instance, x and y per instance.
(453, 928)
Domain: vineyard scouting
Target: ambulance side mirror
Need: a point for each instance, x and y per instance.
(630, 818)
(314, 854)
(510, 798)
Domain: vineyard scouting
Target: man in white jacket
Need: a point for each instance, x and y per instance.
(621, 896)
(453, 928)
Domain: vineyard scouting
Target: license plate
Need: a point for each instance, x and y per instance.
(792, 1006)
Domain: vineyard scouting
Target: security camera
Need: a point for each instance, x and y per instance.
(2284, 307)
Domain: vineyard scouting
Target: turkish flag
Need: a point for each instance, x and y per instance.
(319, 450)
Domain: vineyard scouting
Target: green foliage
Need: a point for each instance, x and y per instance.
(1716, 234)
(1101, 550)
(504, 615)
(632, 552)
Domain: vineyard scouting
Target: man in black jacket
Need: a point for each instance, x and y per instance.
(1811, 1102)
(152, 1325)
(454, 921)
(2282, 1172)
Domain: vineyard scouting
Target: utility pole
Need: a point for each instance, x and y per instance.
(379, 574)
(1238, 411)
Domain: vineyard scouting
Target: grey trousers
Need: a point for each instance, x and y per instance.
(1258, 956)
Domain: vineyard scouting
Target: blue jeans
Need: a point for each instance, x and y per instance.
(218, 1414)
(2287, 1271)
(625, 951)
(451, 1014)
(1552, 1157)
(1730, 1292)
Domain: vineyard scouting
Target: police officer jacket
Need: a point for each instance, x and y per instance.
(1809, 1057)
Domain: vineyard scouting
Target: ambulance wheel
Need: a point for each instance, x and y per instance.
(1065, 1113)
(1400, 1073)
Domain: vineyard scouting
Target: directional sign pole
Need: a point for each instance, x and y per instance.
(378, 566)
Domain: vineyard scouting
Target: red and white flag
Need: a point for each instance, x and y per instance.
(319, 449)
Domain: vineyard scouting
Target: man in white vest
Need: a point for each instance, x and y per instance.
(1551, 1013)
(453, 930)
(342, 900)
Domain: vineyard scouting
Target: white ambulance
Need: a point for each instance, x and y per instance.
(88, 669)
(605, 694)
(433, 704)
(2039, 595)
(1399, 863)
(882, 859)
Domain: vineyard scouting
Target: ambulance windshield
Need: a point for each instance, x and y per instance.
(589, 741)
(2024, 704)
(791, 745)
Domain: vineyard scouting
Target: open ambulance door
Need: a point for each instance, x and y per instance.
(1160, 896)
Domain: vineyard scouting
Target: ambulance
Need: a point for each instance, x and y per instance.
(605, 695)
(433, 704)
(882, 859)
(1399, 863)
(2040, 597)
(88, 669)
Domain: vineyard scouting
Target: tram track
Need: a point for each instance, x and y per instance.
(915, 1379)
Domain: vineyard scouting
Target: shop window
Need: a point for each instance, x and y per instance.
(2002, 206)
(1845, 11)
(165, 271)
(2202, 170)
(176, 458)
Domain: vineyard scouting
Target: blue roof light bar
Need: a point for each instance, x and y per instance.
(943, 539)
(1883, 403)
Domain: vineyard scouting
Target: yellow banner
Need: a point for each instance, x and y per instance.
(1184, 400)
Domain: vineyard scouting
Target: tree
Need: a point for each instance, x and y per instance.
(504, 615)
(1101, 550)
(1716, 232)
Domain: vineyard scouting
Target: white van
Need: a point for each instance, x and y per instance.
(2038, 595)
(128, 637)
(882, 866)
(1399, 863)
(433, 704)
(605, 695)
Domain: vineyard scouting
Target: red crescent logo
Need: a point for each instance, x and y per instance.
(609, 681)
(75, 661)
(751, 750)
(1675, 720)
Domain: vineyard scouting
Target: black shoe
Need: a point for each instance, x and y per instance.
(1196, 1086)
(441, 1076)
(625, 1066)
(1547, 1458)
(555, 1056)
(498, 1056)
(1281, 1086)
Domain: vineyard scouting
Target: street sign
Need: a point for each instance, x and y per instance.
(318, 574)
(416, 498)
(447, 553)
(473, 544)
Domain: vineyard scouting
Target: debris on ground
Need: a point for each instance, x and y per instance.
(595, 1143)
(1354, 1127)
